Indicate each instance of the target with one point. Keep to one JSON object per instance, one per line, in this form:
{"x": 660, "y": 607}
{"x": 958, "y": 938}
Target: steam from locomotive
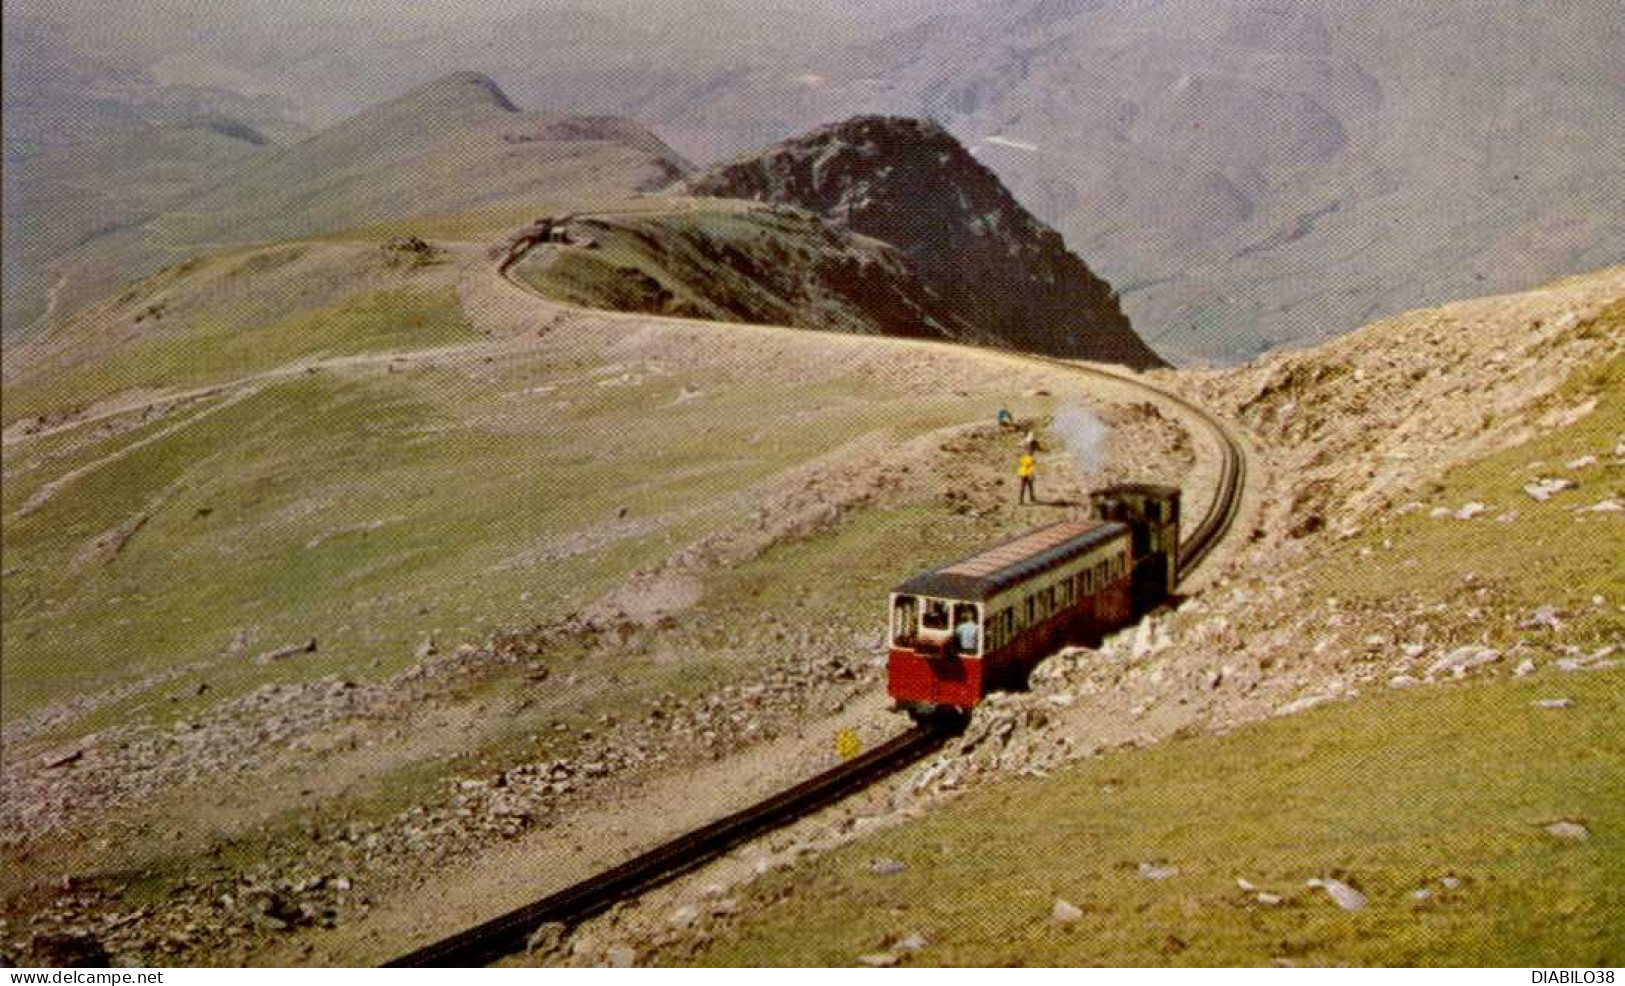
{"x": 1084, "y": 435}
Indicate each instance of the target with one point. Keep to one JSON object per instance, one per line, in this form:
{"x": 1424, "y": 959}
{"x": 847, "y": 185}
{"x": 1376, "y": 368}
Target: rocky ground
{"x": 1368, "y": 421}
{"x": 1203, "y": 669}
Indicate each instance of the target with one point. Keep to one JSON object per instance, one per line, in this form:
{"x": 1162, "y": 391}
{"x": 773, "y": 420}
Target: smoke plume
{"x": 1084, "y": 435}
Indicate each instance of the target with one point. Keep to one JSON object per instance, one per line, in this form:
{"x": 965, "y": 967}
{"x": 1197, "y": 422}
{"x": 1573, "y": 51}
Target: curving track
{"x": 1221, "y": 511}
{"x": 510, "y": 932}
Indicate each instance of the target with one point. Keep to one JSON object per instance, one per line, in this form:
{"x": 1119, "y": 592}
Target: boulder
{"x": 1343, "y": 895}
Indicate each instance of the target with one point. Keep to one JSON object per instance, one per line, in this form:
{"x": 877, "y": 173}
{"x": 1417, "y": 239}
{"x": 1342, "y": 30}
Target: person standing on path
{"x": 1025, "y": 469}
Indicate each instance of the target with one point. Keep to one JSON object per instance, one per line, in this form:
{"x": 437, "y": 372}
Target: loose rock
{"x": 1572, "y": 831}
{"x": 308, "y": 647}
{"x": 1544, "y": 488}
{"x": 1459, "y": 661}
{"x": 1343, "y": 895}
{"x": 546, "y": 938}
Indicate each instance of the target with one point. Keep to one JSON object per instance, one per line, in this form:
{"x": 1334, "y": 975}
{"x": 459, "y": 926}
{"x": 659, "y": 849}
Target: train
{"x": 981, "y": 624}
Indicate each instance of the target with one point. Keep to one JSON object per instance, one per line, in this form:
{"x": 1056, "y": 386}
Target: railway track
{"x": 510, "y": 933}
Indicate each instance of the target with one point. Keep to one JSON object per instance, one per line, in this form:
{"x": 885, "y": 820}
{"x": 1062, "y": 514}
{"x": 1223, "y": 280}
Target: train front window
{"x": 936, "y": 615}
{"x": 904, "y": 612}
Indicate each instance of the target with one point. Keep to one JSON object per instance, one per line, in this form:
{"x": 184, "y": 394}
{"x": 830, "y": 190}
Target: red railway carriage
{"x": 981, "y": 624}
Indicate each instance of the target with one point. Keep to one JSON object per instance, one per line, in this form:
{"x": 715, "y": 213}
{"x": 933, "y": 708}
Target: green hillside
{"x": 1447, "y": 793}
{"x": 731, "y": 262}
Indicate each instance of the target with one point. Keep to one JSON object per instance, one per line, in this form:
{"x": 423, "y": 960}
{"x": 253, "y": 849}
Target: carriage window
{"x": 1000, "y": 628}
{"x": 936, "y": 615}
{"x": 904, "y": 613}
{"x": 963, "y": 613}
{"x": 1031, "y": 610}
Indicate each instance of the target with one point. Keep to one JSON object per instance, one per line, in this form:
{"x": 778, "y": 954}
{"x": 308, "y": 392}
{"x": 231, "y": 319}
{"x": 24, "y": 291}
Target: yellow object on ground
{"x": 847, "y": 744}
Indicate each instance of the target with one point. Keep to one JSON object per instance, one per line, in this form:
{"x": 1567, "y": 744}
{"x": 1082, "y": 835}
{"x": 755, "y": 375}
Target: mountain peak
{"x": 466, "y": 88}
{"x": 910, "y": 183}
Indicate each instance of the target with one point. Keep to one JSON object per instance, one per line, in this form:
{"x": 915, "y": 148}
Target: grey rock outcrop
{"x": 909, "y": 183}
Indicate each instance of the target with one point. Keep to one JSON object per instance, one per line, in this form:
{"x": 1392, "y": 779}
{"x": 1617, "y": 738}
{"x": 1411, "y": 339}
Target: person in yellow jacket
{"x": 1025, "y": 469}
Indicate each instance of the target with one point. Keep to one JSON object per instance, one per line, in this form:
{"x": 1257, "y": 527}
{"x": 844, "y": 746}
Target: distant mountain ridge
{"x": 449, "y": 146}
{"x": 1248, "y": 175}
{"x": 909, "y": 183}
{"x": 454, "y": 146}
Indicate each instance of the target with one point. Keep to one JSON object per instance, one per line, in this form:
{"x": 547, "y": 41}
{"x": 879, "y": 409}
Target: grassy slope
{"x": 1389, "y": 792}
{"x": 213, "y": 350}
{"x": 736, "y": 264}
{"x": 1546, "y": 555}
{"x": 476, "y": 473}
{"x": 466, "y": 474}
{"x": 59, "y": 199}
{"x": 722, "y": 644}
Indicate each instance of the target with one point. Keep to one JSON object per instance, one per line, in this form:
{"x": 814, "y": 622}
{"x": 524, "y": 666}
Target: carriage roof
{"x": 989, "y": 572}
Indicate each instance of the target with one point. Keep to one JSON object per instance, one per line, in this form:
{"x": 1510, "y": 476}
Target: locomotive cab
{"x": 1152, "y": 515}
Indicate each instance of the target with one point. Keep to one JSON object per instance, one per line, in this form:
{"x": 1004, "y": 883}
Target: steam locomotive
{"x": 983, "y": 623}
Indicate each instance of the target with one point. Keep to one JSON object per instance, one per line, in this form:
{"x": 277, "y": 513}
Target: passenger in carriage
{"x": 966, "y": 634}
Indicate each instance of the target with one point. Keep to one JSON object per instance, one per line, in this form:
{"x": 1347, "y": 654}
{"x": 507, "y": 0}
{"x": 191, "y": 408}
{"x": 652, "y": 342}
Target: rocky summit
{"x": 911, "y": 184}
